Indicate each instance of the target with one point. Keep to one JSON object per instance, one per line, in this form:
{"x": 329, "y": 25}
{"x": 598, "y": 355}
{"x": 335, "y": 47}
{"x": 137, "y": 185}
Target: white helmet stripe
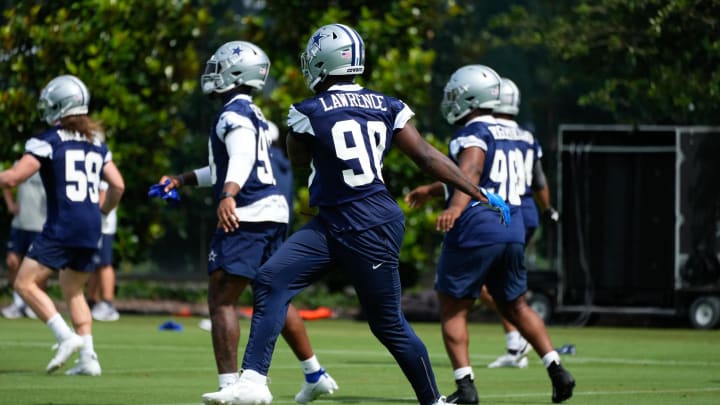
{"x": 357, "y": 44}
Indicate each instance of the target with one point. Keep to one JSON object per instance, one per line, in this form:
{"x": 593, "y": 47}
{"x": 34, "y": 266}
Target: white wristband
{"x": 203, "y": 176}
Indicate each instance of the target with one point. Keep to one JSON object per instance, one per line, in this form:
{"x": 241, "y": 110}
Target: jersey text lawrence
{"x": 338, "y": 100}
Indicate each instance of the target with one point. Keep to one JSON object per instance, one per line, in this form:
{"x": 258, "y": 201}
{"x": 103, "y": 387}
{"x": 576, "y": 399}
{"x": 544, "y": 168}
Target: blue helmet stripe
{"x": 357, "y": 44}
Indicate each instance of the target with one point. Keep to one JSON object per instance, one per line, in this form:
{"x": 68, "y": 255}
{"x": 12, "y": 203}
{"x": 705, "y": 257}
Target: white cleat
{"x": 242, "y": 392}
{"x": 510, "y": 360}
{"x": 65, "y": 349}
{"x": 205, "y": 324}
{"x": 311, "y": 391}
{"x": 12, "y": 311}
{"x": 441, "y": 401}
{"x": 86, "y": 365}
{"x": 104, "y": 311}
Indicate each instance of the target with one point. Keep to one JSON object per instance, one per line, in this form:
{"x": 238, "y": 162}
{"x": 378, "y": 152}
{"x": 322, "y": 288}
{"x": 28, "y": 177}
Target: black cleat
{"x": 562, "y": 382}
{"x": 466, "y": 392}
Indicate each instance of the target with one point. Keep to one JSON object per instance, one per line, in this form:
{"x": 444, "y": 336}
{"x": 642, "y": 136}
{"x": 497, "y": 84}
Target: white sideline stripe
{"x": 382, "y": 353}
{"x": 608, "y": 393}
{"x": 163, "y": 348}
{"x": 533, "y": 395}
{"x": 609, "y": 360}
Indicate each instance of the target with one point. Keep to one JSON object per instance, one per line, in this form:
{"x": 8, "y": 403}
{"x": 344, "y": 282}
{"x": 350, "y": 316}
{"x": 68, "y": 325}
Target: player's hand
{"x": 418, "y": 197}
{"x": 165, "y": 191}
{"x": 14, "y": 208}
{"x": 171, "y": 182}
{"x": 551, "y": 216}
{"x": 227, "y": 219}
{"x": 447, "y": 219}
{"x": 496, "y": 203}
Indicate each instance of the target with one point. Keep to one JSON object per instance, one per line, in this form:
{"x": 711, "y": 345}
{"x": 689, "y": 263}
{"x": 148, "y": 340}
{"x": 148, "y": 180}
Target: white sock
{"x": 550, "y": 358}
{"x": 59, "y": 327}
{"x": 17, "y": 300}
{"x": 310, "y": 365}
{"x": 227, "y": 379}
{"x": 254, "y": 376}
{"x": 88, "y": 347}
{"x": 461, "y": 372}
{"x": 513, "y": 340}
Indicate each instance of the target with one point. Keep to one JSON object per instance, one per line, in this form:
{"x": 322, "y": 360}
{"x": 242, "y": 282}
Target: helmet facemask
{"x": 235, "y": 64}
{"x": 450, "y": 105}
{"x": 469, "y": 88}
{"x": 64, "y": 95}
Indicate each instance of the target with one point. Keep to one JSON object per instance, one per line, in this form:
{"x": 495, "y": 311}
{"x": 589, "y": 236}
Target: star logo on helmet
{"x": 236, "y": 50}
{"x": 316, "y": 40}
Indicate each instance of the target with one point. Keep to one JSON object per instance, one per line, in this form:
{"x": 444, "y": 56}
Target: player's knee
{"x": 512, "y": 310}
{"x": 21, "y": 285}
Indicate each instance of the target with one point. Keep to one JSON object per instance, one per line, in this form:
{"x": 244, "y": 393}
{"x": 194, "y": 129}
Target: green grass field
{"x": 142, "y": 365}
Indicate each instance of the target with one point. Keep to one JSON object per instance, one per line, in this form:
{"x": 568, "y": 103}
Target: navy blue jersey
{"x": 241, "y": 112}
{"x": 284, "y": 177}
{"x": 503, "y": 174}
{"x": 71, "y": 169}
{"x": 349, "y": 129}
{"x": 531, "y": 153}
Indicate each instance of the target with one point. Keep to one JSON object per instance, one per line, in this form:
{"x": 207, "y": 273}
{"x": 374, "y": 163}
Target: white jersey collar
{"x": 345, "y": 87}
{"x": 507, "y": 122}
{"x": 240, "y": 97}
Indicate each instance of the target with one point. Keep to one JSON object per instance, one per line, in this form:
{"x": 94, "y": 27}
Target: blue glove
{"x": 496, "y": 203}
{"x": 158, "y": 190}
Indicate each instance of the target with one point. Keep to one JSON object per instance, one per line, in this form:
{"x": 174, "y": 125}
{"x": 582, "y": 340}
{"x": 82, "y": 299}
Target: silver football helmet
{"x": 62, "y": 96}
{"x": 509, "y": 98}
{"x": 234, "y": 64}
{"x": 469, "y": 88}
{"x": 333, "y": 50}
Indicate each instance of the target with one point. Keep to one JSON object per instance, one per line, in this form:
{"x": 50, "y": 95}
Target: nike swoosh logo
{"x": 375, "y": 266}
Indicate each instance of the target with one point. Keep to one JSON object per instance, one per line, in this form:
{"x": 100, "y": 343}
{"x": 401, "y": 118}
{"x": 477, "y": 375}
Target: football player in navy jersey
{"x": 343, "y": 133}
{"x": 72, "y": 160}
{"x": 476, "y": 249}
{"x": 535, "y": 191}
{"x": 252, "y": 213}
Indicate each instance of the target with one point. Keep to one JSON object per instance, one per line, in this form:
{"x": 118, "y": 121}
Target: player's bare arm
{"x": 21, "y": 171}
{"x": 116, "y": 187}
{"x": 10, "y": 202}
{"x": 471, "y": 161}
{"x": 428, "y": 158}
{"x": 227, "y": 219}
{"x": 178, "y": 180}
{"x": 420, "y": 195}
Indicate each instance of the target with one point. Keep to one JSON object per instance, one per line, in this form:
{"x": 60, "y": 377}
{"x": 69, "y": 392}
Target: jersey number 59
{"x": 82, "y": 175}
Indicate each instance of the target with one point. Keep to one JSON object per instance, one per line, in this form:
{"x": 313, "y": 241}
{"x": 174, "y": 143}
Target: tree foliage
{"x": 138, "y": 58}
{"x": 643, "y": 61}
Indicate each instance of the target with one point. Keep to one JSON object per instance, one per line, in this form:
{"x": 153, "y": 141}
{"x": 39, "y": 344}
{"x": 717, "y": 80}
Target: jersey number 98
{"x": 377, "y": 131}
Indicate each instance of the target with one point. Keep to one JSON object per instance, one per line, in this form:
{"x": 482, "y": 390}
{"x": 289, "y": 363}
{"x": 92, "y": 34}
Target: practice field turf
{"x": 142, "y": 365}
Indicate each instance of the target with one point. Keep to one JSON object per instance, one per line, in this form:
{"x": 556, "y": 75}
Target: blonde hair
{"x": 82, "y": 124}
